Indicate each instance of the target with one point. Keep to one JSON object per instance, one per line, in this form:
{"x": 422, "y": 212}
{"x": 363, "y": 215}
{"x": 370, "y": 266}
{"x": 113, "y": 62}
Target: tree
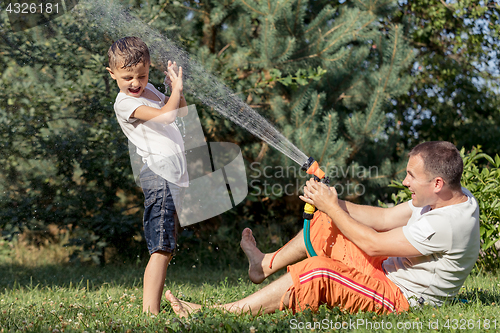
{"x": 323, "y": 74}
{"x": 63, "y": 159}
{"x": 455, "y": 96}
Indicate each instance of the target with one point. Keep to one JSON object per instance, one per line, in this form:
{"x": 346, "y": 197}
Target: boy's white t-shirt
{"x": 160, "y": 145}
{"x": 449, "y": 241}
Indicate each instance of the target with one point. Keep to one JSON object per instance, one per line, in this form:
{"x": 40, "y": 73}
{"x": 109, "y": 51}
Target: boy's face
{"x": 131, "y": 80}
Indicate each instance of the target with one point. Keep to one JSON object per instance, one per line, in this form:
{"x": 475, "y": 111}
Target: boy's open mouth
{"x": 135, "y": 90}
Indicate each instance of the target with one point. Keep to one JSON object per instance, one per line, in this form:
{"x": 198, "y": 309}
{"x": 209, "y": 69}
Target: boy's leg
{"x": 262, "y": 265}
{"x": 154, "y": 279}
{"x": 160, "y": 234}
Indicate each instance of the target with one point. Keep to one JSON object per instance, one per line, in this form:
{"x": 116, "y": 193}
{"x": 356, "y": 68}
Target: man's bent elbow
{"x": 372, "y": 249}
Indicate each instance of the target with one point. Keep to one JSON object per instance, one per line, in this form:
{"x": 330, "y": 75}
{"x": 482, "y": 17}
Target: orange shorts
{"x": 341, "y": 275}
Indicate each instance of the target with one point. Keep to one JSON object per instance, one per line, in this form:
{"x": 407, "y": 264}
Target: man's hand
{"x": 320, "y": 195}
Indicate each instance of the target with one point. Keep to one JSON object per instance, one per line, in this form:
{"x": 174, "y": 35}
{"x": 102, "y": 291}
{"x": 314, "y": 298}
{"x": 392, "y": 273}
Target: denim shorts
{"x": 159, "y": 210}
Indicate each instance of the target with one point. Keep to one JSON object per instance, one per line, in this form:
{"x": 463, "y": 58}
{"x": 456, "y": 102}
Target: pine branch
{"x": 334, "y": 153}
{"x": 303, "y": 58}
{"x": 158, "y": 14}
{"x": 327, "y": 138}
{"x": 223, "y": 49}
{"x": 194, "y": 9}
{"x": 297, "y": 11}
{"x": 331, "y": 59}
{"x": 290, "y": 43}
{"x": 277, "y": 6}
{"x": 310, "y": 118}
{"x": 396, "y": 35}
{"x": 253, "y": 9}
{"x": 371, "y": 111}
{"x": 320, "y": 19}
{"x": 391, "y": 68}
{"x": 288, "y": 27}
{"x": 337, "y": 40}
{"x": 262, "y": 153}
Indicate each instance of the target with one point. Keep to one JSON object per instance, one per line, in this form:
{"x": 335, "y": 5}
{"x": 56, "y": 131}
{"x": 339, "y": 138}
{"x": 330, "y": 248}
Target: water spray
{"x": 312, "y": 168}
{"x": 110, "y": 17}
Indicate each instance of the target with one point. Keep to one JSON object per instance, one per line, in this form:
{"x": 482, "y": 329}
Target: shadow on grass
{"x": 93, "y": 277}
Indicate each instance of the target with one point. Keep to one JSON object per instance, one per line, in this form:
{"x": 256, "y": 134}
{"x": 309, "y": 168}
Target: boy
{"x": 147, "y": 118}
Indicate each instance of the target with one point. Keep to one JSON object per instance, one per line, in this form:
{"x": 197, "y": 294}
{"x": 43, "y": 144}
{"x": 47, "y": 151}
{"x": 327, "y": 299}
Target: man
{"x": 371, "y": 258}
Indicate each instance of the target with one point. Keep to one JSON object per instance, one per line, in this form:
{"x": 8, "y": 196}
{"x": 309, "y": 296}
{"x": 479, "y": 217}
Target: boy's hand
{"x": 167, "y": 80}
{"x": 174, "y": 77}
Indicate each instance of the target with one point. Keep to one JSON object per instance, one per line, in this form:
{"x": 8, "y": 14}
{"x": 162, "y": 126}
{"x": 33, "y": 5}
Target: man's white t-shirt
{"x": 160, "y": 145}
{"x": 449, "y": 241}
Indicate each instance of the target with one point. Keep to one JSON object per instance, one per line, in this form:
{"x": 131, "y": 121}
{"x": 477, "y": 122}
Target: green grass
{"x": 44, "y": 297}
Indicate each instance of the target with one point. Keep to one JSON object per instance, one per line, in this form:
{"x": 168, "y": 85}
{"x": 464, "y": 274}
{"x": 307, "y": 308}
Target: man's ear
{"x": 111, "y": 73}
{"x": 438, "y": 184}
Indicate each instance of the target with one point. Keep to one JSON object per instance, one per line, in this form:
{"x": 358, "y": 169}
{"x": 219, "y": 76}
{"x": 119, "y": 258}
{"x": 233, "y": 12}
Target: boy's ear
{"x": 111, "y": 73}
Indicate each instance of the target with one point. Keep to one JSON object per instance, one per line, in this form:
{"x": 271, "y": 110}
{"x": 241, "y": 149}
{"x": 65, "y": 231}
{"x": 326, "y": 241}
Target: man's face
{"x": 131, "y": 80}
{"x": 419, "y": 182}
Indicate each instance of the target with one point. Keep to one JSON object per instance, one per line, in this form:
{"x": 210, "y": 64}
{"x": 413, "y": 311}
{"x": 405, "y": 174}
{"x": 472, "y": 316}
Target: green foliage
{"x": 455, "y": 95}
{"x": 63, "y": 158}
{"x": 323, "y": 73}
{"x": 484, "y": 183}
{"x": 482, "y": 178}
{"x": 301, "y": 78}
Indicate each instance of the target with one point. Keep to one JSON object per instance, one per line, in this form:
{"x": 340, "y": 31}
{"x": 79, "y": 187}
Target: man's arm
{"x": 374, "y": 243}
{"x": 392, "y": 243}
{"x": 378, "y": 218}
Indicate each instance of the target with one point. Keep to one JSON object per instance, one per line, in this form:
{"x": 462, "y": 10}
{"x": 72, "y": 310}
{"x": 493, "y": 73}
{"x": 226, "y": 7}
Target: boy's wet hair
{"x": 128, "y": 52}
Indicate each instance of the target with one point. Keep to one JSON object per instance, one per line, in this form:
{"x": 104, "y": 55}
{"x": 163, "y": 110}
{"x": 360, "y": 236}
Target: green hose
{"x": 307, "y": 238}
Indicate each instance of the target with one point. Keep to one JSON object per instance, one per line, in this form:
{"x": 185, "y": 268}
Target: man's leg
{"x": 154, "y": 279}
{"x": 259, "y": 263}
{"x": 266, "y": 300}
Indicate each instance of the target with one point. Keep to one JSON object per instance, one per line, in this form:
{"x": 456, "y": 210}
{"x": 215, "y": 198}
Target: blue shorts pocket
{"x": 151, "y": 185}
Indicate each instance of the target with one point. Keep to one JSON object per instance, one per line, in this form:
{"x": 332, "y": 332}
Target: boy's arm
{"x": 183, "y": 109}
{"x": 169, "y": 111}
{"x": 166, "y": 114}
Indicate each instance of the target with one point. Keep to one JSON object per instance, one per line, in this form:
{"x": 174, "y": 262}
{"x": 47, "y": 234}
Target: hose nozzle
{"x": 312, "y": 168}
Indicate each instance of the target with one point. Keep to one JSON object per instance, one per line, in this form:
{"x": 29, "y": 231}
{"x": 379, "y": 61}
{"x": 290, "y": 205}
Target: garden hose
{"x": 312, "y": 168}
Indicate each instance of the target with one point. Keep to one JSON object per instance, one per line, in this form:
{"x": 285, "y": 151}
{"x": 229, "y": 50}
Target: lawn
{"x": 45, "y": 295}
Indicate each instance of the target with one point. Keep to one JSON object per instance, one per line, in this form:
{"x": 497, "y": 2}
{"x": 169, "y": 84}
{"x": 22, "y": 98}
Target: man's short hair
{"x": 441, "y": 159}
{"x": 128, "y": 52}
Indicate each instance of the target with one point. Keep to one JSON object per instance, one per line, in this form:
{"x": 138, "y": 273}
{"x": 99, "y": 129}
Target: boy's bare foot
{"x": 181, "y": 308}
{"x": 254, "y": 255}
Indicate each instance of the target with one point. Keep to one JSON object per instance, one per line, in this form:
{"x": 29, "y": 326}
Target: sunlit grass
{"x": 59, "y": 297}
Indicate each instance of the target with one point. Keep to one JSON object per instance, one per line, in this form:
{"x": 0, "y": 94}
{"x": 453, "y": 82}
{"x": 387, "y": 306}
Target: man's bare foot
{"x": 181, "y": 308}
{"x": 254, "y": 255}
